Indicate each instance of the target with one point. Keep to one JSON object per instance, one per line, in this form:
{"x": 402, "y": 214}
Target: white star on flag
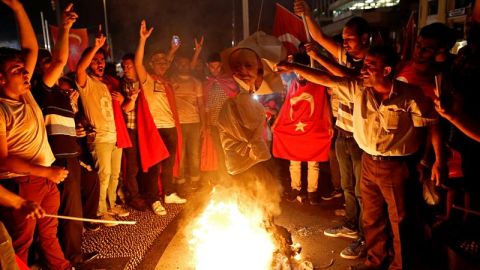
{"x": 300, "y": 126}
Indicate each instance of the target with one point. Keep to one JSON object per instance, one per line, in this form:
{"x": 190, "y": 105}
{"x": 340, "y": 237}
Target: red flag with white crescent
{"x": 77, "y": 41}
{"x": 288, "y": 28}
{"x": 301, "y": 132}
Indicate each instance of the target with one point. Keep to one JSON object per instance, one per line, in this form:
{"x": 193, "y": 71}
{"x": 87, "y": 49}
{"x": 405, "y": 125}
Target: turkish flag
{"x": 77, "y": 41}
{"x": 150, "y": 144}
{"x": 288, "y": 28}
{"x": 301, "y": 132}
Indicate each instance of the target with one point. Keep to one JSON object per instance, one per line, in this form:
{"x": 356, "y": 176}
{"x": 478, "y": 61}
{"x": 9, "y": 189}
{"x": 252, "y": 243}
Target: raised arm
{"x": 310, "y": 74}
{"x": 332, "y": 66}
{"x": 301, "y": 8}
{"x": 198, "y": 50}
{"x": 28, "y": 40}
{"x": 173, "y": 50}
{"x": 140, "y": 52}
{"x": 87, "y": 59}
{"x": 60, "y": 52}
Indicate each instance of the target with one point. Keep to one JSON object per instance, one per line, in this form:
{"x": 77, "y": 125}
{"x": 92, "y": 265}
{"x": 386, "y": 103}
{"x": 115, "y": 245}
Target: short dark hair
{"x": 67, "y": 80}
{"x": 388, "y": 55}
{"x": 360, "y": 24}
{"x": 128, "y": 56}
{"x": 441, "y": 33}
{"x": 101, "y": 50}
{"x": 214, "y": 57}
{"x": 7, "y": 55}
{"x": 42, "y": 55}
{"x": 158, "y": 52}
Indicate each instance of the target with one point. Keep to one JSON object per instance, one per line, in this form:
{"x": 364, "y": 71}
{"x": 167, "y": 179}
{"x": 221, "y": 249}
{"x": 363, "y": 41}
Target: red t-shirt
{"x": 426, "y": 81}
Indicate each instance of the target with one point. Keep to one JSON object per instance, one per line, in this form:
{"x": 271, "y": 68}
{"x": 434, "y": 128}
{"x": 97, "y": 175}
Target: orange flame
{"x": 229, "y": 236}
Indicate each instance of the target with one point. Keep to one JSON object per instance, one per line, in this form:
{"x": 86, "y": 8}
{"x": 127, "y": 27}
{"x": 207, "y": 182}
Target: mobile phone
{"x": 176, "y": 40}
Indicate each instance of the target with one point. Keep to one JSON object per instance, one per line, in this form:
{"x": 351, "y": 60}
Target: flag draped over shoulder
{"x": 77, "y": 43}
{"x": 173, "y": 107}
{"x": 288, "y": 28}
{"x": 150, "y": 144}
{"x": 301, "y": 132}
{"x": 123, "y": 139}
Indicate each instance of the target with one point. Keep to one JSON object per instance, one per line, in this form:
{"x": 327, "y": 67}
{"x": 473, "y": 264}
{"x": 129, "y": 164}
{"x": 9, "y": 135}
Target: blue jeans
{"x": 349, "y": 157}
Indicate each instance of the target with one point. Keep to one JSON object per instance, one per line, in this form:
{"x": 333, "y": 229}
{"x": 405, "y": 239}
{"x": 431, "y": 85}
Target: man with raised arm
{"x": 350, "y": 56}
{"x": 101, "y": 99}
{"x": 388, "y": 121}
{"x": 59, "y": 108}
{"x": 161, "y": 101}
{"x": 25, "y": 154}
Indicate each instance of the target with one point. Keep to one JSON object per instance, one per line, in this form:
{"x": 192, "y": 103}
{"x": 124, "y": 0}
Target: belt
{"x": 344, "y": 133}
{"x": 387, "y": 158}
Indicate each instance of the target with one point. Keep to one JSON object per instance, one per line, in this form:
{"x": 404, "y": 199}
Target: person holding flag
{"x": 350, "y": 55}
{"x": 303, "y": 118}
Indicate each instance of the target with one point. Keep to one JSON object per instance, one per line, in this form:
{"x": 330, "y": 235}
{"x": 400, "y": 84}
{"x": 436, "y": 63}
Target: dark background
{"x": 185, "y": 18}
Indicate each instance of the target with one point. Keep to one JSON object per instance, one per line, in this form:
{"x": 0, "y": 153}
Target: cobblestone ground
{"x": 129, "y": 241}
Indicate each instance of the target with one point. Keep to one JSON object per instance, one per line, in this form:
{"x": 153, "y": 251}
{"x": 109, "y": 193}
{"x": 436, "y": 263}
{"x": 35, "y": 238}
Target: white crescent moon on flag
{"x": 304, "y": 96}
{"x": 77, "y": 37}
{"x": 287, "y": 37}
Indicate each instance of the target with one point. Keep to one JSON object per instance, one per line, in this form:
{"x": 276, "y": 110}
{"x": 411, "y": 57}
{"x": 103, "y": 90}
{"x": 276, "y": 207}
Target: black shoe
{"x": 293, "y": 195}
{"x": 313, "y": 198}
{"x": 334, "y": 194}
{"x": 355, "y": 250}
{"x": 93, "y": 227}
{"x": 138, "y": 204}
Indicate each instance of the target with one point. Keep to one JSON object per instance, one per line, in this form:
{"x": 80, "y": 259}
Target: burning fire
{"x": 227, "y": 235}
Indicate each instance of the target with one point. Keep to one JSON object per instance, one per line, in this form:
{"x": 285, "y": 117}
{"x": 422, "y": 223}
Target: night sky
{"x": 185, "y": 18}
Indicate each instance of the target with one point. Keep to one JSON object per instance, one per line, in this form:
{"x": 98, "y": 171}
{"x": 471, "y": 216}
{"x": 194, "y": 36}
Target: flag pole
{"x": 107, "y": 31}
{"x": 246, "y": 20}
{"x": 119, "y": 222}
{"x": 309, "y": 39}
{"x": 43, "y": 31}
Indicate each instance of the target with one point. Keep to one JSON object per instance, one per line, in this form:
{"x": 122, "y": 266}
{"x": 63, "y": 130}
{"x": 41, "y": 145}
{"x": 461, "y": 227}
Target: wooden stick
{"x": 307, "y": 33}
{"x": 466, "y": 210}
{"x": 121, "y": 222}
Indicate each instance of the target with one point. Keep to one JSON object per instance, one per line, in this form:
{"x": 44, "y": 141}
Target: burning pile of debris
{"x": 236, "y": 232}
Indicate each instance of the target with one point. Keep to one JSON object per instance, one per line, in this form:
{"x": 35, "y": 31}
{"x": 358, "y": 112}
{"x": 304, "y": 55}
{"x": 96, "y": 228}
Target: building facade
{"x": 453, "y": 13}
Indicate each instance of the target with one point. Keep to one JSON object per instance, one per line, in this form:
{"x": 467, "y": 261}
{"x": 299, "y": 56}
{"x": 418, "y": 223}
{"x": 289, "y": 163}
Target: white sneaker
{"x": 158, "y": 209}
{"x": 174, "y": 198}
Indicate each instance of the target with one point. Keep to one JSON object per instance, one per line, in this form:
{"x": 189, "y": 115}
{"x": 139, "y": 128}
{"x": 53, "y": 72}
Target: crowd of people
{"x": 393, "y": 126}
